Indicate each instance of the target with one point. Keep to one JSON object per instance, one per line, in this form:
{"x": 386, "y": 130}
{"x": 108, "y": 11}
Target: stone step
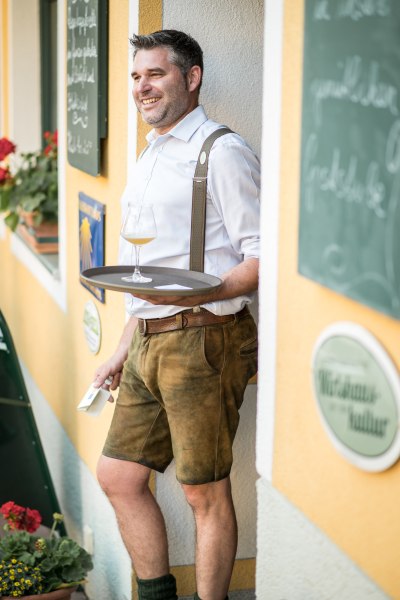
{"x": 238, "y": 595}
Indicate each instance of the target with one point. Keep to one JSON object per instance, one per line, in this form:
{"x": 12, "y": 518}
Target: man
{"x": 183, "y": 362}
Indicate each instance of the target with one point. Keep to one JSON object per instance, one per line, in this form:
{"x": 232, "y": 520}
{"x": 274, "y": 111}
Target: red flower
{"x": 32, "y": 519}
{"x": 18, "y": 517}
{"x": 4, "y": 174}
{"x": 9, "y": 509}
{"x": 51, "y": 138}
{"x": 6, "y": 148}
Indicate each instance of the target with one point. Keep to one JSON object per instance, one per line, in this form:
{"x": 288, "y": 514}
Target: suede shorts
{"x": 179, "y": 397}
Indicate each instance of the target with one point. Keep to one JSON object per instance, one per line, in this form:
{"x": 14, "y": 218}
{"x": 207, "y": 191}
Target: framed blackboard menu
{"x": 87, "y": 60}
{"x": 349, "y": 235}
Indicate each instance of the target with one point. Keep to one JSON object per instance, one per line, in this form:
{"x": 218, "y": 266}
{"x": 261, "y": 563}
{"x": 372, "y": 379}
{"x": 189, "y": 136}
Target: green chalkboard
{"x": 87, "y": 60}
{"x": 25, "y": 477}
{"x": 349, "y": 233}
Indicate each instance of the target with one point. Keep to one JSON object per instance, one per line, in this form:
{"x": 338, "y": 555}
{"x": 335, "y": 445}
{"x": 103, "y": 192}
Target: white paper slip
{"x": 94, "y": 401}
{"x": 172, "y": 286}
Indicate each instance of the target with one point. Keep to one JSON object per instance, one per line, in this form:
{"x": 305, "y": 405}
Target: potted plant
{"x": 35, "y": 567}
{"x": 29, "y": 189}
{"x": 6, "y": 179}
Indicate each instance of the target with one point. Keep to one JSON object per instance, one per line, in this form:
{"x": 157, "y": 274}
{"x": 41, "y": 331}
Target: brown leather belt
{"x": 186, "y": 318}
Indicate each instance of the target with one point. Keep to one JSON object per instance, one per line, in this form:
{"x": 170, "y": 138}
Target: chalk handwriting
{"x": 359, "y": 9}
{"x": 78, "y": 145}
{"x": 321, "y": 11}
{"x": 342, "y": 180}
{"x": 327, "y": 10}
{"x": 392, "y": 156}
{"x": 89, "y": 50}
{"x": 81, "y": 22}
{"x": 359, "y": 84}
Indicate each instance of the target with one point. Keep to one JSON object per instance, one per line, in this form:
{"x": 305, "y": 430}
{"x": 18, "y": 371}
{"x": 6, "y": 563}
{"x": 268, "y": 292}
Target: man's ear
{"x": 194, "y": 78}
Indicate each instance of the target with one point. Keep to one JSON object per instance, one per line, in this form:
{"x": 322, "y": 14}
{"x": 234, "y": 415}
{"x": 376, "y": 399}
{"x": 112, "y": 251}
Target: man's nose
{"x": 143, "y": 85}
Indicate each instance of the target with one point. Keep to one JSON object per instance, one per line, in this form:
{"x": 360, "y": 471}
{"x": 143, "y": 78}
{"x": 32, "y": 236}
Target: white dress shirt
{"x": 163, "y": 177}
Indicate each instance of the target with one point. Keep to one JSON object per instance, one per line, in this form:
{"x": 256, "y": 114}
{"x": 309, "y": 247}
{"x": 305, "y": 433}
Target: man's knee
{"x": 105, "y": 475}
{"x": 208, "y": 495}
{"x": 121, "y": 477}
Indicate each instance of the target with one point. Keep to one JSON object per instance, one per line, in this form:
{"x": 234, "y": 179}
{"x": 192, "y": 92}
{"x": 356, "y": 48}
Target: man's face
{"x": 161, "y": 93}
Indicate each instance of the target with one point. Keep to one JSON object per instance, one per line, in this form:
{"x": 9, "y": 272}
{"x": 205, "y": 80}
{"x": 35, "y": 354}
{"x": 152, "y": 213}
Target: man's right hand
{"x": 108, "y": 375}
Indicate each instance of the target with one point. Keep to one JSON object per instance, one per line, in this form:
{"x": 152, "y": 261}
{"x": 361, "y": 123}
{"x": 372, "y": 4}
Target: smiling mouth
{"x": 147, "y": 101}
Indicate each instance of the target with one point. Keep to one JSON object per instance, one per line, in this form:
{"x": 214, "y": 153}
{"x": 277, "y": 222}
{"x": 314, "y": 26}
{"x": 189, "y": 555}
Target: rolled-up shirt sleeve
{"x": 234, "y": 188}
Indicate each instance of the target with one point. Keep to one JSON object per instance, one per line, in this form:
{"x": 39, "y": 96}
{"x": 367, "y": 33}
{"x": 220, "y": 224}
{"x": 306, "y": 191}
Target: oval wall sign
{"x": 357, "y": 389}
{"x": 92, "y": 326}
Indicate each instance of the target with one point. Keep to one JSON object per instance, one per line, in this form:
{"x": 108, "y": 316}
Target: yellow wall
{"x": 150, "y": 19}
{"x": 357, "y": 510}
{"x": 50, "y": 342}
{"x": 4, "y": 67}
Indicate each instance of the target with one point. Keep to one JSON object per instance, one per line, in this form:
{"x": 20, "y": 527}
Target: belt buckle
{"x": 144, "y": 326}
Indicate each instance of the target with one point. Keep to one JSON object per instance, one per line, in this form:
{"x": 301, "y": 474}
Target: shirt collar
{"x": 185, "y": 128}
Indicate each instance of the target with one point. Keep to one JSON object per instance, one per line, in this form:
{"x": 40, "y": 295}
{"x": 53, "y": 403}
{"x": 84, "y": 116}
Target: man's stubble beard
{"x": 171, "y": 113}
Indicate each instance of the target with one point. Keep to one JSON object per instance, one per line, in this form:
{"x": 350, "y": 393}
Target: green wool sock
{"x": 160, "y": 588}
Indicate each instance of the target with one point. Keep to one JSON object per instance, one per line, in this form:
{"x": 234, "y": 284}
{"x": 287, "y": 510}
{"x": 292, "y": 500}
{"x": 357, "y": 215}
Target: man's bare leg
{"x": 139, "y": 517}
{"x": 216, "y": 536}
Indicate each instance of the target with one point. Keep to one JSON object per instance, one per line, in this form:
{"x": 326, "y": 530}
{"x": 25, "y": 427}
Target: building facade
{"x": 312, "y": 524}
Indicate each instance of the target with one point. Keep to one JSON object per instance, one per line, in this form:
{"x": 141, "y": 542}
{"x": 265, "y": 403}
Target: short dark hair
{"x": 185, "y": 52}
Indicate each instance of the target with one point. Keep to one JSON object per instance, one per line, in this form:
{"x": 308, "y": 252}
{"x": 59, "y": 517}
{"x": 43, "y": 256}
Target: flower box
{"x": 43, "y": 239}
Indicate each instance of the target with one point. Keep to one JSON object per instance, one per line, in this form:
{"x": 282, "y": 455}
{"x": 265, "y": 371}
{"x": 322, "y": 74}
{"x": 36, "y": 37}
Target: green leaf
{"x": 12, "y": 220}
{"x": 5, "y": 193}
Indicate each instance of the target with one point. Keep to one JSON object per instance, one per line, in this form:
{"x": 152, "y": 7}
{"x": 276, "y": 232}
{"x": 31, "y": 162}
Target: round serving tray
{"x": 192, "y": 282}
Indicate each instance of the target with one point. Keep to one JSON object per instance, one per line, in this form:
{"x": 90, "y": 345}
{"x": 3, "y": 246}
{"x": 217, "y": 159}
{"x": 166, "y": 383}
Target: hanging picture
{"x": 91, "y": 239}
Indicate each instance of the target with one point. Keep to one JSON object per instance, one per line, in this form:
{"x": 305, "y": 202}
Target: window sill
{"x": 3, "y": 228}
{"x": 45, "y": 268}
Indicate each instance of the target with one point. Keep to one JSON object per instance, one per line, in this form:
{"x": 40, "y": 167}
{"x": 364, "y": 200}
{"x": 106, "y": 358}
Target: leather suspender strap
{"x": 199, "y": 197}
